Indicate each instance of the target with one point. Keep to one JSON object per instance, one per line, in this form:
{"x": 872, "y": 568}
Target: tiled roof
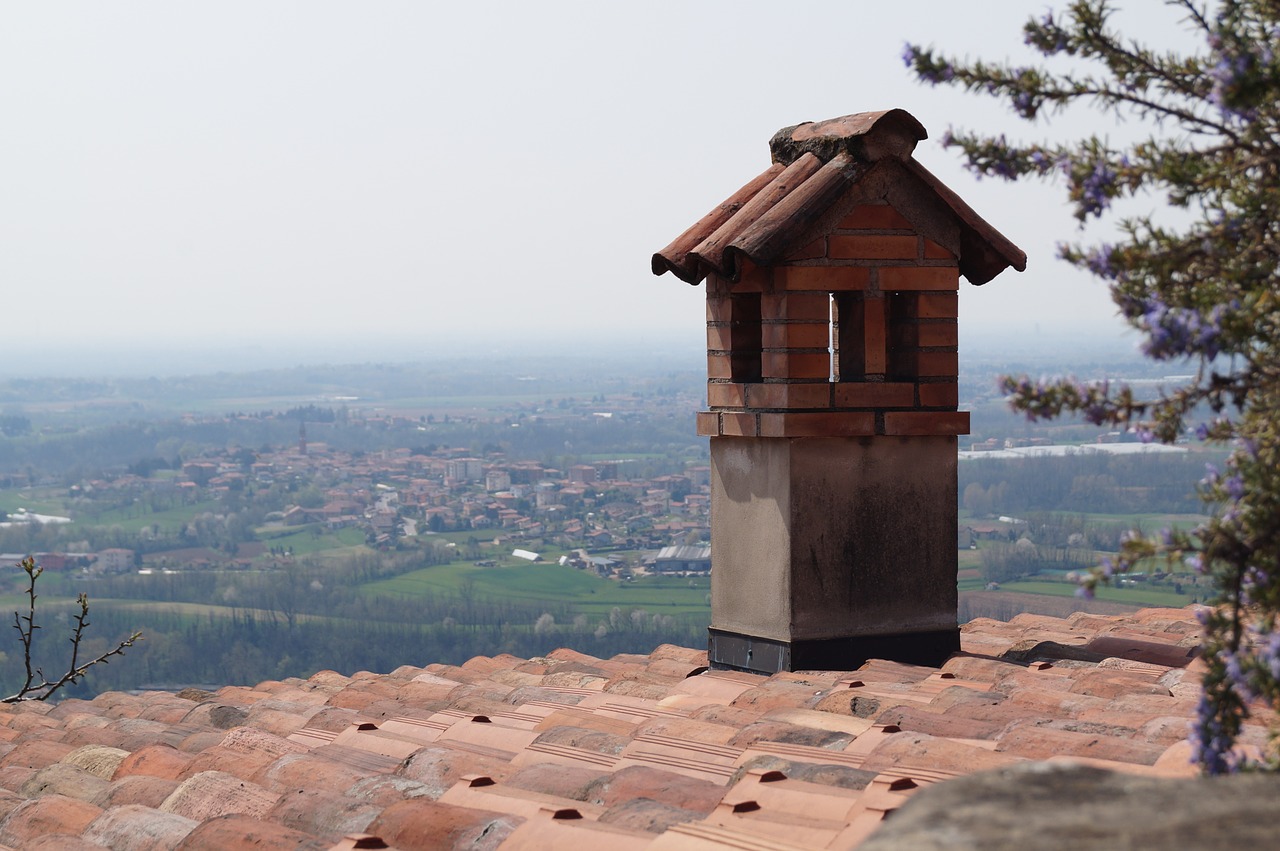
{"x": 570, "y": 751}
{"x": 815, "y": 165}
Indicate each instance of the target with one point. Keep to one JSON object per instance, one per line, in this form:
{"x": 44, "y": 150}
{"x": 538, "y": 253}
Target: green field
{"x": 305, "y": 541}
{"x": 1138, "y": 595}
{"x": 553, "y": 583}
{"x": 44, "y": 501}
{"x": 137, "y": 517}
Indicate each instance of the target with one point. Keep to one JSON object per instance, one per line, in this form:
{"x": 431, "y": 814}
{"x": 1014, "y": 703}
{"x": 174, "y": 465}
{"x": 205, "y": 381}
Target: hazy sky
{"x": 253, "y": 173}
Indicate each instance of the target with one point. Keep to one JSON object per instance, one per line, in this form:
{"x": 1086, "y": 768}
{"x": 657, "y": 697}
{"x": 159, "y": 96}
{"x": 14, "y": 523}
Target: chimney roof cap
{"x": 814, "y": 165}
{"x": 866, "y": 136}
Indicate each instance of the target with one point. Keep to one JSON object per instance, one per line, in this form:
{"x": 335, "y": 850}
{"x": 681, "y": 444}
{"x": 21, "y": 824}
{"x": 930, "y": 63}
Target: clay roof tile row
{"x": 815, "y": 165}
{"x": 651, "y": 752}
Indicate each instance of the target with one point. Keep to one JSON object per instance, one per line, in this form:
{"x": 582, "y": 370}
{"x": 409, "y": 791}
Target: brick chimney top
{"x": 866, "y": 136}
{"x": 819, "y": 171}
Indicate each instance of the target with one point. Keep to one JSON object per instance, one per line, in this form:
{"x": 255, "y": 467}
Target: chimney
{"x": 832, "y": 284}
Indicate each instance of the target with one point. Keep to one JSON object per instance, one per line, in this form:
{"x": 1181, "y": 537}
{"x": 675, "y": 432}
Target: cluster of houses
{"x": 398, "y": 493}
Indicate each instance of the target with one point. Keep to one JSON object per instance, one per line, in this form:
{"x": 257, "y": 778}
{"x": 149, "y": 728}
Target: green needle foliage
{"x": 1204, "y": 291}
{"x": 37, "y": 686}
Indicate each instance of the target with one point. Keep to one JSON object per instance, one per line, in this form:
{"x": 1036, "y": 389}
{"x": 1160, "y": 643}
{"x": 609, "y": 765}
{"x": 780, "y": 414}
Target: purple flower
{"x": 1234, "y": 486}
{"x": 1210, "y": 745}
{"x": 1099, "y": 263}
{"x": 1269, "y": 654}
{"x": 1096, "y": 189}
{"x": 1177, "y": 332}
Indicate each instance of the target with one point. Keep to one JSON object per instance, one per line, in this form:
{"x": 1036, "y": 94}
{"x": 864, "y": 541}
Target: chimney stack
{"x": 832, "y": 286}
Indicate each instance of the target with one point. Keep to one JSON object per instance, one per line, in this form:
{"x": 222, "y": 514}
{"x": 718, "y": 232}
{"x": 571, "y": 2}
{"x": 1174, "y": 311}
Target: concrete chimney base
{"x": 827, "y": 551}
{"x": 736, "y": 652}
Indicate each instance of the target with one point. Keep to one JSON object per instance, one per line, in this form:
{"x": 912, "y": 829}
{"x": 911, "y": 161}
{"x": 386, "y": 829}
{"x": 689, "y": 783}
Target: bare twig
{"x": 36, "y": 686}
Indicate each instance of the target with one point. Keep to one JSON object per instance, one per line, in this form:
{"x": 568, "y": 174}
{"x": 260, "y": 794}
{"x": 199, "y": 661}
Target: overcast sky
{"x": 245, "y": 173}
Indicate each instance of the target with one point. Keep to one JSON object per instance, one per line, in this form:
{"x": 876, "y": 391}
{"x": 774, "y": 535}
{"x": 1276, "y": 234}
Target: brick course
{"x": 859, "y": 394}
{"x": 877, "y": 217}
{"x": 873, "y": 247}
{"x": 943, "y": 395}
{"x": 823, "y": 278}
{"x": 802, "y": 306}
{"x": 919, "y": 278}
{"x": 909, "y": 423}
{"x": 835, "y": 424}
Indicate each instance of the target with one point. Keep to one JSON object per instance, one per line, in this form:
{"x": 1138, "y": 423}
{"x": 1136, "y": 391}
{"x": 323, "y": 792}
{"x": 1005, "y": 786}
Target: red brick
{"x": 795, "y": 335}
{"x": 789, "y": 395}
{"x": 738, "y": 424}
{"x": 858, "y": 247}
{"x": 796, "y": 364}
{"x": 896, "y": 278}
{"x": 719, "y": 338}
{"x": 860, "y": 394}
{"x": 812, "y": 251}
{"x": 726, "y": 395}
{"x": 933, "y": 364}
{"x": 843, "y": 424}
{"x": 878, "y": 217}
{"x": 938, "y": 305}
{"x": 708, "y": 424}
{"x": 945, "y": 395}
{"x": 767, "y": 396}
{"x": 753, "y": 280}
{"x": 719, "y": 366}
{"x": 926, "y": 422}
{"x": 937, "y": 334}
{"x": 809, "y": 395}
{"x": 716, "y": 285}
{"x": 933, "y": 251}
{"x": 825, "y": 278}
{"x": 807, "y": 306}
{"x": 874, "y": 333}
{"x": 719, "y": 309}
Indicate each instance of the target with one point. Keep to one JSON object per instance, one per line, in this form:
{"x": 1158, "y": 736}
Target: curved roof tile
{"x": 815, "y": 163}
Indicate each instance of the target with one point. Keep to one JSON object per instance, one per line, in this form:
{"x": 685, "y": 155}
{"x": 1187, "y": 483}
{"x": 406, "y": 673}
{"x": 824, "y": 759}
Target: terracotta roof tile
{"x": 320, "y": 812}
{"x": 430, "y": 825}
{"x": 235, "y": 832}
{"x": 59, "y": 842}
{"x": 481, "y": 792}
{"x": 785, "y": 733}
{"x": 561, "y": 781}
{"x": 215, "y": 793}
{"x": 164, "y": 761}
{"x": 296, "y": 772}
{"x": 438, "y": 767}
{"x": 135, "y": 827}
{"x": 1042, "y": 741}
{"x": 136, "y": 789}
{"x": 815, "y": 166}
{"x": 12, "y": 777}
{"x": 45, "y": 815}
{"x": 97, "y": 760}
{"x": 571, "y": 759}
{"x": 63, "y": 779}
{"x": 36, "y": 753}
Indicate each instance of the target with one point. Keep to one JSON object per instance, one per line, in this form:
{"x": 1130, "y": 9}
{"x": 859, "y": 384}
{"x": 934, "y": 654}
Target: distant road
{"x": 1059, "y": 450}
